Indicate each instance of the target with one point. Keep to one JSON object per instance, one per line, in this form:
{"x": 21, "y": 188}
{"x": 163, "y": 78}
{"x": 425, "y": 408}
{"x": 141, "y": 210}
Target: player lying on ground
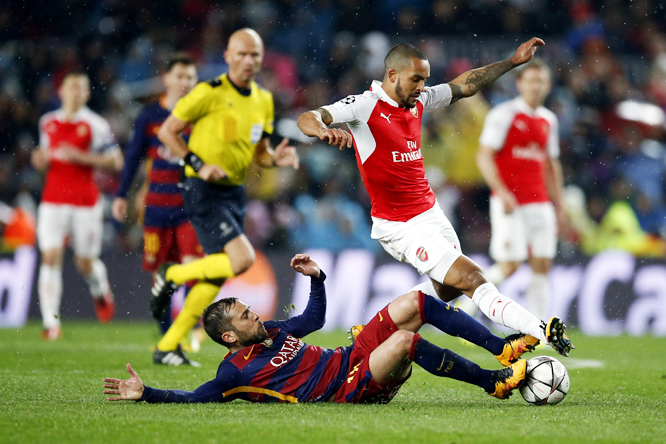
{"x": 269, "y": 362}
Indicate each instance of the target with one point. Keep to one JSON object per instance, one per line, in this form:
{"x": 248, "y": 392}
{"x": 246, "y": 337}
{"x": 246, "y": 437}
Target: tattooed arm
{"x": 469, "y": 83}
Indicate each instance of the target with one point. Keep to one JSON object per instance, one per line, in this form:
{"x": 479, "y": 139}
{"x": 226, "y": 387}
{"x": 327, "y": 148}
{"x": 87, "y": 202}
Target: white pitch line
{"x": 583, "y": 363}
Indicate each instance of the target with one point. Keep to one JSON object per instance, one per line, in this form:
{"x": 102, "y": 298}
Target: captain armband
{"x": 192, "y": 160}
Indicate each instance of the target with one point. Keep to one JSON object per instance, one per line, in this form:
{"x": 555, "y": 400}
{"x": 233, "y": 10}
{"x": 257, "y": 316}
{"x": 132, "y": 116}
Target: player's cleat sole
{"x": 51, "y": 334}
{"x": 515, "y": 346}
{"x": 354, "y": 332}
{"x": 509, "y": 379}
{"x": 105, "y": 308}
{"x": 557, "y": 337}
{"x": 174, "y": 357}
{"x": 162, "y": 290}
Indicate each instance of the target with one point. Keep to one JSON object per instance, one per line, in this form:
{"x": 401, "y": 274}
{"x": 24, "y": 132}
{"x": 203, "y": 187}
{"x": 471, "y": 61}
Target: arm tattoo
{"x": 482, "y": 77}
{"x": 325, "y": 115}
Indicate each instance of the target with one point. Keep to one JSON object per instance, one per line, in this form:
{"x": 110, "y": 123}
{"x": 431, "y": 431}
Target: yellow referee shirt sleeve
{"x": 195, "y": 104}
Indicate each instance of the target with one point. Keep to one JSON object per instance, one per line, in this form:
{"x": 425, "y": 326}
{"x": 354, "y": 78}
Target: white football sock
{"x": 426, "y": 288}
{"x": 495, "y": 275}
{"x": 49, "y": 288}
{"x": 505, "y": 311}
{"x": 98, "y": 281}
{"x": 538, "y": 294}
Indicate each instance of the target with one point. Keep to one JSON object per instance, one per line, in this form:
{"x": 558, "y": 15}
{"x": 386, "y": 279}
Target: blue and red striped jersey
{"x": 164, "y": 201}
{"x": 283, "y": 369}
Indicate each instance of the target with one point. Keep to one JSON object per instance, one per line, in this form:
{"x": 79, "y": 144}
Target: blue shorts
{"x": 217, "y": 212}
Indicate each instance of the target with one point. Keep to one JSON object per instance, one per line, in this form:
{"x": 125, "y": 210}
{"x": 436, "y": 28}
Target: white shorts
{"x": 530, "y": 231}
{"x": 82, "y": 225}
{"x": 424, "y": 241}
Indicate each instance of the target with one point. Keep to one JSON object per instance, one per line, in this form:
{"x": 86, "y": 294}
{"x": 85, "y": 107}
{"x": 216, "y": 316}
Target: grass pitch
{"x": 52, "y": 393}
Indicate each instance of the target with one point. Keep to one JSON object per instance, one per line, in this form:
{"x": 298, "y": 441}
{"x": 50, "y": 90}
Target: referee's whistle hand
{"x": 211, "y": 173}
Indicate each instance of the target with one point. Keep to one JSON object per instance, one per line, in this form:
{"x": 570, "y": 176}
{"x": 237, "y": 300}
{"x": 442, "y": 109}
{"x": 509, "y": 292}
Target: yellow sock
{"x": 199, "y": 297}
{"x": 213, "y": 266}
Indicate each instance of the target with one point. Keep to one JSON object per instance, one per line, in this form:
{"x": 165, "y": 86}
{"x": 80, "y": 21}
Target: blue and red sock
{"x": 456, "y": 322}
{"x": 442, "y": 362}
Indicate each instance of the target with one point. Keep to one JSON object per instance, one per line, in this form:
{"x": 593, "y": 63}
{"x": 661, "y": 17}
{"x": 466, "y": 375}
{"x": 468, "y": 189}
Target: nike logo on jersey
{"x": 385, "y": 116}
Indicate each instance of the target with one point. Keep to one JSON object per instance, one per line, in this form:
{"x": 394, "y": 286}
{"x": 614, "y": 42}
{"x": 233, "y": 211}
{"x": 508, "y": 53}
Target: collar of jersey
{"x": 525, "y": 108}
{"x": 376, "y": 87}
{"x": 77, "y": 115}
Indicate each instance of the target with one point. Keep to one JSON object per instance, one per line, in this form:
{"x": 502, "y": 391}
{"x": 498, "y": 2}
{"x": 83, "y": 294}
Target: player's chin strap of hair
{"x": 192, "y": 160}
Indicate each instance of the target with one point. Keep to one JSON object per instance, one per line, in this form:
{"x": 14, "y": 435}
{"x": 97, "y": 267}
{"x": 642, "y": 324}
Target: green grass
{"x": 52, "y": 393}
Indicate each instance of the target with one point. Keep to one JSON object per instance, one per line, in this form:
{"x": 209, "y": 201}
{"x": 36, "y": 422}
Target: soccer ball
{"x": 546, "y": 381}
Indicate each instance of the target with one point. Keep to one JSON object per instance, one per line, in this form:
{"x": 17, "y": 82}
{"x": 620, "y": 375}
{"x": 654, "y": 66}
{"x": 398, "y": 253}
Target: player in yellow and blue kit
{"x": 231, "y": 119}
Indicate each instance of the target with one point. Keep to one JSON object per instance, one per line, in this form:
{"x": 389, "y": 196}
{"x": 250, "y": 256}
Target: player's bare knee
{"x": 401, "y": 341}
{"x": 84, "y": 265}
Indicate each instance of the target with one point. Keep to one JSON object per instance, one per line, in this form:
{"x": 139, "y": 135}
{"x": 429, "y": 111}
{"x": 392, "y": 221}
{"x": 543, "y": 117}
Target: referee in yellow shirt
{"x": 231, "y": 119}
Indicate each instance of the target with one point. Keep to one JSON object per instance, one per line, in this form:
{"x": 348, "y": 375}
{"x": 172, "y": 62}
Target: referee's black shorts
{"x": 217, "y": 212}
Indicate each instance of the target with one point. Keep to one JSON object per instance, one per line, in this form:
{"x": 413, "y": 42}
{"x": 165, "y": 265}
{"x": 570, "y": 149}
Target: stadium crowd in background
{"x": 608, "y": 60}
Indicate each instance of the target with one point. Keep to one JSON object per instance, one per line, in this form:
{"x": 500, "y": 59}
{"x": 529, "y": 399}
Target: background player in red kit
{"x": 73, "y": 142}
{"x": 518, "y": 157}
{"x": 268, "y": 362}
{"x": 167, "y": 234}
{"x": 385, "y": 125}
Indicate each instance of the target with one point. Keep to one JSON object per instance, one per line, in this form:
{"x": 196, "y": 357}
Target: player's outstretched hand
{"x": 526, "y": 51}
{"x": 40, "y": 159}
{"x": 304, "y": 265}
{"x": 211, "y": 173}
{"x": 336, "y": 137}
{"x": 127, "y": 389}
{"x": 286, "y": 155}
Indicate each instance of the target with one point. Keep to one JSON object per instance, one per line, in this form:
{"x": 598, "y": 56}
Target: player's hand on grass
{"x": 119, "y": 209}
{"x": 127, "y": 389}
{"x": 211, "y": 173}
{"x": 526, "y": 51}
{"x": 336, "y": 137}
{"x": 304, "y": 265}
{"x": 286, "y": 155}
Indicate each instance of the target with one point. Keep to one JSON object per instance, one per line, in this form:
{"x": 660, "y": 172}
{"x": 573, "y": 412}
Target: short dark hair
{"x": 535, "y": 63}
{"x": 400, "y": 54}
{"x": 217, "y": 319}
{"x": 178, "y": 58}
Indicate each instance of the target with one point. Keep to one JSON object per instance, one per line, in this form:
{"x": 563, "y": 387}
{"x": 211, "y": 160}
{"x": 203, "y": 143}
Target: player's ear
{"x": 392, "y": 75}
{"x": 229, "y": 337}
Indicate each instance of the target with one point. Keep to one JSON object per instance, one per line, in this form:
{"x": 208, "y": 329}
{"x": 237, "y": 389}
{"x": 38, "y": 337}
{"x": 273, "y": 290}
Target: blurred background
{"x": 609, "y": 64}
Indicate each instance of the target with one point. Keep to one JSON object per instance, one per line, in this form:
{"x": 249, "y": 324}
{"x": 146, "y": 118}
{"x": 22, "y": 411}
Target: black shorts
{"x": 217, "y": 212}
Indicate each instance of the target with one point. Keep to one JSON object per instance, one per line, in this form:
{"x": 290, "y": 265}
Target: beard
{"x": 250, "y": 338}
{"x": 404, "y": 99}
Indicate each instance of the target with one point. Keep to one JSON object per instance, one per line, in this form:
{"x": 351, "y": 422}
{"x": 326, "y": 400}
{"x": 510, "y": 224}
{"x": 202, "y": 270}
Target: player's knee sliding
{"x": 403, "y": 342}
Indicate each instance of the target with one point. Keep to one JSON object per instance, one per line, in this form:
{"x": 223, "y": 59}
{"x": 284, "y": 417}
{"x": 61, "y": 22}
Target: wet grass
{"x": 52, "y": 392}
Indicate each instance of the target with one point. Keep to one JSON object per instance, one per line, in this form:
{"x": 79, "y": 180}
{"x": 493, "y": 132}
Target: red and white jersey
{"x": 524, "y": 138}
{"x": 387, "y": 139}
{"x": 69, "y": 183}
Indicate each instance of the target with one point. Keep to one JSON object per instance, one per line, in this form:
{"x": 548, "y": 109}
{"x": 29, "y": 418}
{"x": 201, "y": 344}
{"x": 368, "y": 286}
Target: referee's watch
{"x": 192, "y": 160}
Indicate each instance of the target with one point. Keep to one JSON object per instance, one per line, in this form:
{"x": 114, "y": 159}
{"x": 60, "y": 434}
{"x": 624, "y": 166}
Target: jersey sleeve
{"x": 495, "y": 128}
{"x": 435, "y": 97}
{"x": 212, "y": 391}
{"x": 134, "y": 153}
{"x": 554, "y": 138}
{"x": 314, "y": 316}
{"x": 44, "y": 140}
{"x": 195, "y": 104}
{"x": 345, "y": 110}
{"x": 102, "y": 137}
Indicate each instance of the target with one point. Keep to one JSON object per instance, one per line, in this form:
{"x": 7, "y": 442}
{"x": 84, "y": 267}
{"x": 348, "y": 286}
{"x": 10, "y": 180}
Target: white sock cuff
{"x": 426, "y": 288}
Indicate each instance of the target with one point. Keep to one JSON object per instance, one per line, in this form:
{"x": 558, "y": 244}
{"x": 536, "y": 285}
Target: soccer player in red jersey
{"x": 518, "y": 157}
{"x": 73, "y": 142}
{"x": 385, "y": 126}
{"x": 167, "y": 234}
{"x": 268, "y": 361}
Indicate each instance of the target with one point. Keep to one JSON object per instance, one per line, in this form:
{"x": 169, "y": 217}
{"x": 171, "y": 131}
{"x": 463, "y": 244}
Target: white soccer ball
{"x": 546, "y": 381}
